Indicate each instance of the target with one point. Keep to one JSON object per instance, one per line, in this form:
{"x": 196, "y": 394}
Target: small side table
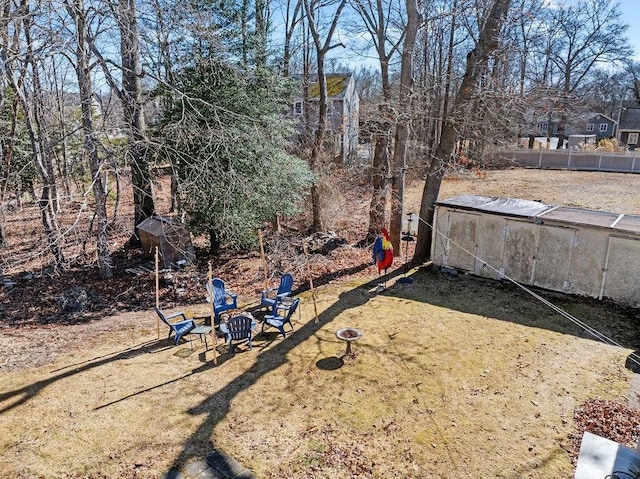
{"x": 202, "y": 331}
{"x": 284, "y": 303}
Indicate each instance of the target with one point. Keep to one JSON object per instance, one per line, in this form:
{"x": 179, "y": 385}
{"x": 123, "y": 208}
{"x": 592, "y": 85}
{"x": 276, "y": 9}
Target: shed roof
{"x": 535, "y": 209}
{"x": 157, "y": 225}
{"x": 506, "y": 206}
{"x": 578, "y": 215}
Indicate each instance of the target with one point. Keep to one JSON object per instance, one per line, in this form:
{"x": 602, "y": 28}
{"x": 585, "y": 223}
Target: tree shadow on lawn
{"x": 30, "y": 391}
{"x": 218, "y": 404}
{"x": 488, "y": 298}
{"x": 505, "y": 301}
{"x": 26, "y": 393}
{"x": 586, "y": 318}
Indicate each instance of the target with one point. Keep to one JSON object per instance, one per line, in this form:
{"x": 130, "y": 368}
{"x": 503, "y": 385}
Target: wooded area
{"x": 203, "y": 91}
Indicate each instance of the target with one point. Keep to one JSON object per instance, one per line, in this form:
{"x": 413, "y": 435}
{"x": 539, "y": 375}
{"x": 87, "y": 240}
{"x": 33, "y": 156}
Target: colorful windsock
{"x": 382, "y": 251}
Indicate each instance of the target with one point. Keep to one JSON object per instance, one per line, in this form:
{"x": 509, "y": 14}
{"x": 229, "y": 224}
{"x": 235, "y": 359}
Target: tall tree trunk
{"x": 380, "y": 175}
{"x": 91, "y": 143}
{"x": 375, "y": 16}
{"x": 6, "y": 153}
{"x": 449, "y": 76}
{"x": 63, "y": 170}
{"x": 262, "y": 30}
{"x": 317, "y": 149}
{"x": 132, "y": 103}
{"x": 292, "y": 19}
{"x": 39, "y": 139}
{"x": 477, "y": 60}
{"x": 399, "y": 161}
{"x": 244, "y": 33}
{"x": 7, "y": 142}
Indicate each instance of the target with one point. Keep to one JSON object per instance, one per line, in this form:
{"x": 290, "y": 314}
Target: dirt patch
{"x": 453, "y": 376}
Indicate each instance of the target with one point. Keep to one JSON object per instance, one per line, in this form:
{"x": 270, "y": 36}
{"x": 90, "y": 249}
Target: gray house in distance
{"x": 342, "y": 113}
{"x": 601, "y": 126}
{"x": 629, "y": 130}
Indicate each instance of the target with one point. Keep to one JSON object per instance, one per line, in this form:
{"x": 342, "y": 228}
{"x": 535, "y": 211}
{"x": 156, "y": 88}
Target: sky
{"x": 631, "y": 14}
{"x": 630, "y": 10}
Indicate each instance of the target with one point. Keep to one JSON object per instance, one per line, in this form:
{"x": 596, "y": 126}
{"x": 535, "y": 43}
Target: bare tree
{"x": 7, "y": 141}
{"x": 477, "y": 63}
{"x": 526, "y": 37}
{"x": 322, "y": 46}
{"x": 399, "y": 162}
{"x": 379, "y": 19}
{"x": 78, "y": 13}
{"x": 22, "y": 65}
{"x": 129, "y": 91}
{"x": 131, "y": 96}
{"x": 435, "y": 68}
{"x": 590, "y": 32}
{"x": 262, "y": 24}
{"x": 292, "y": 14}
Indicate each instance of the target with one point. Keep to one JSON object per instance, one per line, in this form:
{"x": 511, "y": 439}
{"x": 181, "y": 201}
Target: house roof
{"x": 598, "y": 116}
{"x": 337, "y": 84}
{"x": 630, "y": 118}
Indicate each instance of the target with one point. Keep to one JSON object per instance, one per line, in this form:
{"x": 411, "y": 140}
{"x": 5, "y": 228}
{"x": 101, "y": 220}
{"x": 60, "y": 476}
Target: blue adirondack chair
{"x": 238, "y": 328}
{"x": 179, "y": 328}
{"x": 277, "y": 320}
{"x": 222, "y": 299}
{"x": 270, "y": 296}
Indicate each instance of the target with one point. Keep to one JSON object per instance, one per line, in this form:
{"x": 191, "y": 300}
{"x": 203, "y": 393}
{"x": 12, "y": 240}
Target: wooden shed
{"x": 571, "y": 250}
{"x": 173, "y": 241}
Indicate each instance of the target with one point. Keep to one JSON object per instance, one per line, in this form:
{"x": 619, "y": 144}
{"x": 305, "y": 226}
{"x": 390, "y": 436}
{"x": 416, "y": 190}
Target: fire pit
{"x": 348, "y": 335}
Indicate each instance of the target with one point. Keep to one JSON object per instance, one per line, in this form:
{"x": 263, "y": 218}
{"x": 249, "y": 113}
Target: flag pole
{"x": 157, "y": 293}
{"x": 213, "y": 319}
{"x": 313, "y": 293}
{"x": 264, "y": 261}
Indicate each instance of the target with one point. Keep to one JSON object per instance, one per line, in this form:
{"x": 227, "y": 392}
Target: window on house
{"x": 297, "y": 108}
{"x": 633, "y": 139}
{"x": 543, "y": 126}
{"x": 590, "y": 126}
{"x": 603, "y": 126}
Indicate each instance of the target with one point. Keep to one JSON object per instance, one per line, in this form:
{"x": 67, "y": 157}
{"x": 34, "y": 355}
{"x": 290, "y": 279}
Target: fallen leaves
{"x": 609, "y": 419}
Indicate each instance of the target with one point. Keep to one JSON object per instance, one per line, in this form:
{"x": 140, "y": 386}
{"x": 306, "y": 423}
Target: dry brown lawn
{"x": 453, "y": 377}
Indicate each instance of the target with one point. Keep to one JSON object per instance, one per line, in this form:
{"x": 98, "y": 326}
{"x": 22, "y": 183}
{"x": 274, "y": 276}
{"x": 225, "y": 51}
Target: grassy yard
{"x": 453, "y": 377}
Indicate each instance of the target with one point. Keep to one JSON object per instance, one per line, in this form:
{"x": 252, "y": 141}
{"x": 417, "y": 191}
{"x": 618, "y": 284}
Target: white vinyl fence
{"x": 627, "y": 162}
